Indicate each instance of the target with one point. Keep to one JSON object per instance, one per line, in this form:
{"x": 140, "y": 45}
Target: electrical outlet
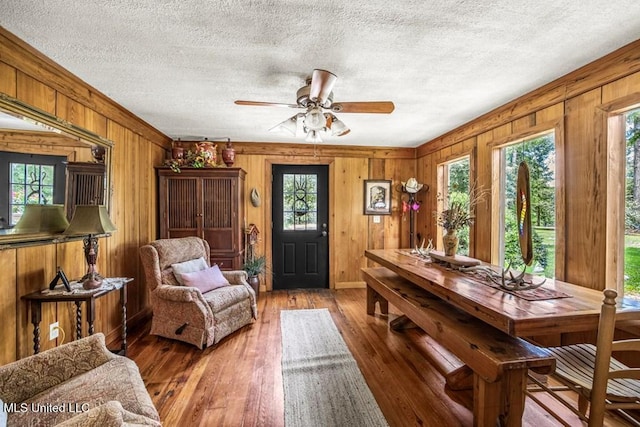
{"x": 53, "y": 331}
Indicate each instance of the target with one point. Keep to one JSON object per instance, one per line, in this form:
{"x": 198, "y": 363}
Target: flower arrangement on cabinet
{"x": 204, "y": 155}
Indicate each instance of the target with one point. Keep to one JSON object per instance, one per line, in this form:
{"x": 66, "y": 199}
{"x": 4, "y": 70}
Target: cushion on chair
{"x": 206, "y": 280}
{"x": 190, "y": 266}
{"x": 221, "y": 298}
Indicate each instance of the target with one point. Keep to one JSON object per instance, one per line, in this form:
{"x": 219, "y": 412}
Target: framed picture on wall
{"x": 377, "y": 197}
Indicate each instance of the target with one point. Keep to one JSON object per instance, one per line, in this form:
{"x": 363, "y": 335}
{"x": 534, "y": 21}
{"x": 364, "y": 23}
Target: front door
{"x": 300, "y": 226}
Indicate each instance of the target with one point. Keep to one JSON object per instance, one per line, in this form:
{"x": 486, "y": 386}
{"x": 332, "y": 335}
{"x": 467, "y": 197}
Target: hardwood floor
{"x": 239, "y": 383}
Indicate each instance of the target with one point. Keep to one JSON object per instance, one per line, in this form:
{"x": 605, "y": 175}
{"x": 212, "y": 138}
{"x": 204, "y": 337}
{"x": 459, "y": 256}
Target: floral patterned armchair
{"x": 84, "y": 384}
{"x": 186, "y": 313}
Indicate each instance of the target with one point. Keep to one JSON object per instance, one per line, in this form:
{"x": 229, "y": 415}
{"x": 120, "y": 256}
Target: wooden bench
{"x": 498, "y": 361}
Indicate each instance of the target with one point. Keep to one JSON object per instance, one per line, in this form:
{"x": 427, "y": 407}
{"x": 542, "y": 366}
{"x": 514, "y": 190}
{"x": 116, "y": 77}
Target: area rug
{"x": 322, "y": 383}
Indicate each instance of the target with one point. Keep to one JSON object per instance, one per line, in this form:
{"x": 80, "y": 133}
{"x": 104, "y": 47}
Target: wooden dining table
{"x": 555, "y": 307}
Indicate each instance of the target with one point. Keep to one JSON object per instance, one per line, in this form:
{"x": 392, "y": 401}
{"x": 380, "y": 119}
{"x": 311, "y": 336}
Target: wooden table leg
{"x": 123, "y": 304}
{"x": 78, "y": 319}
{"x": 91, "y": 315}
{"x": 36, "y": 317}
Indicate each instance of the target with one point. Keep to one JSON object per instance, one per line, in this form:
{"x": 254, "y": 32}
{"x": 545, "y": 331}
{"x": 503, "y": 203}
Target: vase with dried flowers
{"x": 457, "y": 212}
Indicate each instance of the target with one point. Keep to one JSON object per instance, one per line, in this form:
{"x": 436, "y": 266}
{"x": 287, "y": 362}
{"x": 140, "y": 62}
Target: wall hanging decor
{"x": 377, "y": 197}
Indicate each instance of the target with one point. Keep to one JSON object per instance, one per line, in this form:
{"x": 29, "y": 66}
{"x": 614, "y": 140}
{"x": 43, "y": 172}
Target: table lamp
{"x": 90, "y": 220}
{"x": 42, "y": 219}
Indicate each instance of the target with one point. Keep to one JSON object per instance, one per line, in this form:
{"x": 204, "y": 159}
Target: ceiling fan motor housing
{"x": 303, "y": 99}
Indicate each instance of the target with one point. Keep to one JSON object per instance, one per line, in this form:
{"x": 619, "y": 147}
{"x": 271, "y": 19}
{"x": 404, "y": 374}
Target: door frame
{"x": 269, "y": 217}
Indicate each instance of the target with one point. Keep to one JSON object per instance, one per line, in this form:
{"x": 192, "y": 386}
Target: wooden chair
{"x": 601, "y": 382}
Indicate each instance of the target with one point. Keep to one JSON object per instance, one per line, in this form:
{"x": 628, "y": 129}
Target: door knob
{"x": 324, "y": 234}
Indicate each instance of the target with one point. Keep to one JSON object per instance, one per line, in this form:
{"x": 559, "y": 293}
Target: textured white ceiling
{"x": 180, "y": 64}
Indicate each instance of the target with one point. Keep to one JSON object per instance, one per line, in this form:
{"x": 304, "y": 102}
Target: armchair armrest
{"x": 236, "y": 277}
{"x": 34, "y": 374}
{"x": 178, "y": 293}
{"x": 240, "y": 277}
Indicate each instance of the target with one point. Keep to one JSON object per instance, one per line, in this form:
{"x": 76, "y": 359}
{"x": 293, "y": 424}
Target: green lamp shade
{"x": 42, "y": 219}
{"x": 90, "y": 219}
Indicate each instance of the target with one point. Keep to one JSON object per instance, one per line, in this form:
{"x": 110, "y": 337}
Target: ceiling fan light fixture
{"x": 313, "y": 136}
{"x": 290, "y": 125}
{"x": 338, "y": 128}
{"x": 315, "y": 119}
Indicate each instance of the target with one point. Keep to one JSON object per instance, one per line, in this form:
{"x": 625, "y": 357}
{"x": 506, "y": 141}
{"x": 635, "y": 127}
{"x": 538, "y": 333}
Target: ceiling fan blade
{"x": 374, "y": 107}
{"x": 265, "y": 104}
{"x": 322, "y": 82}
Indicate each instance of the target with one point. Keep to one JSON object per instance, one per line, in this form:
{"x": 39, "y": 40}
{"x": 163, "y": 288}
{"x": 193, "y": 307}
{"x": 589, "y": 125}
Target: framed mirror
{"x": 48, "y": 162}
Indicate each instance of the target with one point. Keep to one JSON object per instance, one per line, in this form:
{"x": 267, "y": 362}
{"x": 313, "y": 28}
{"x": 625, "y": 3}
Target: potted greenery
{"x": 254, "y": 268}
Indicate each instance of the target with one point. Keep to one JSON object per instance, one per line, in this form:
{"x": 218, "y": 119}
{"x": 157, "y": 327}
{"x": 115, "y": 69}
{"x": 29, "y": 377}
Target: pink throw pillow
{"x": 206, "y": 280}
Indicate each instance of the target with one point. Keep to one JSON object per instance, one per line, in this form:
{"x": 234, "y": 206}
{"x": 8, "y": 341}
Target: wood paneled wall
{"x": 34, "y": 79}
{"x": 29, "y": 76}
{"x": 350, "y": 231}
{"x": 572, "y": 105}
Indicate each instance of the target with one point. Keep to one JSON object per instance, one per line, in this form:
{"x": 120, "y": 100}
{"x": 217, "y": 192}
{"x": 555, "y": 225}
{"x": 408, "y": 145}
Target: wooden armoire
{"x": 208, "y": 203}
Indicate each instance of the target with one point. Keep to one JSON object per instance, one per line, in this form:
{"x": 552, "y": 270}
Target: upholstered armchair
{"x": 193, "y": 313}
{"x": 84, "y": 384}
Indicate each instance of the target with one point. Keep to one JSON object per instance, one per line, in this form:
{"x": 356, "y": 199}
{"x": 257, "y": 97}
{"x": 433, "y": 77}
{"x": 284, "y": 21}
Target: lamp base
{"x": 91, "y": 280}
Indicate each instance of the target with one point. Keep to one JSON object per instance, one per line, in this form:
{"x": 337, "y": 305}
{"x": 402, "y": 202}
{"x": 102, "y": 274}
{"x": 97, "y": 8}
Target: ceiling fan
{"x": 316, "y": 97}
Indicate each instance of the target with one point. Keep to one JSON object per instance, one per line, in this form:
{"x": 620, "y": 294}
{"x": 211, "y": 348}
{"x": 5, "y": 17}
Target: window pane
{"x": 47, "y": 175}
{"x": 29, "y": 184}
{"x": 18, "y": 172}
{"x": 539, "y": 153}
{"x": 632, "y": 206}
{"x": 458, "y": 191}
{"x": 299, "y": 209}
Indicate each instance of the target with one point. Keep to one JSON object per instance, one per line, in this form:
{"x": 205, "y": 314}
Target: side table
{"x": 78, "y": 295}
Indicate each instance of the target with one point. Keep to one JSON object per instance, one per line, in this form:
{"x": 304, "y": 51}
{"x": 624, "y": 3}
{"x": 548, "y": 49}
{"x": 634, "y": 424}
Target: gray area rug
{"x": 322, "y": 383}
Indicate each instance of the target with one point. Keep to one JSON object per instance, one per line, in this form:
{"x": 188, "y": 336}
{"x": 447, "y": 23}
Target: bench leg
{"x": 460, "y": 378}
{"x": 402, "y": 322}
{"x": 501, "y": 402}
{"x": 372, "y": 298}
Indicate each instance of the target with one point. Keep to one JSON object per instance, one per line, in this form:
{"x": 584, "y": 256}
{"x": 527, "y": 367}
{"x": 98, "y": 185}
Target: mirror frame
{"x": 52, "y": 123}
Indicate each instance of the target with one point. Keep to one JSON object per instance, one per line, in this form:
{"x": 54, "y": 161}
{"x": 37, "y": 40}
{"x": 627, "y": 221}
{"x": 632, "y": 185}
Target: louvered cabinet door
{"x": 180, "y": 214}
{"x": 207, "y": 203}
{"x": 85, "y": 185}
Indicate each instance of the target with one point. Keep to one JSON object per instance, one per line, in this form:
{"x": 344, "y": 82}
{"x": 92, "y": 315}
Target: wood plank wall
{"x": 572, "y": 105}
{"x": 350, "y": 231}
{"x": 29, "y": 76}
{"x": 36, "y": 80}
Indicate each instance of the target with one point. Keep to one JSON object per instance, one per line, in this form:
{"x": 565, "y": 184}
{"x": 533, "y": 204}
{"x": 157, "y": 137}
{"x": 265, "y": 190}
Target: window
{"x": 539, "y": 153}
{"x": 29, "y": 179}
{"x": 632, "y": 205}
{"x": 300, "y": 207}
{"x": 454, "y": 186}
